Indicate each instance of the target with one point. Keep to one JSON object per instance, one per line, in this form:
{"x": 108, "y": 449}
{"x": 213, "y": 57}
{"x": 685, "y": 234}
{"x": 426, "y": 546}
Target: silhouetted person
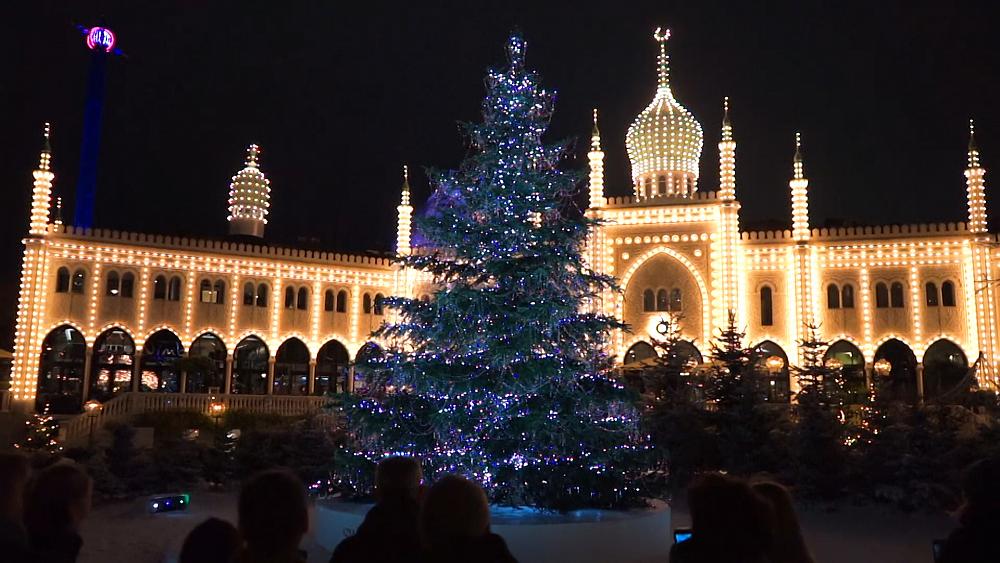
{"x": 455, "y": 524}
{"x": 273, "y": 517}
{"x": 57, "y": 502}
{"x": 788, "y": 544}
{"x": 14, "y": 473}
{"x": 212, "y": 541}
{"x": 729, "y": 523}
{"x": 977, "y": 539}
{"x": 389, "y": 531}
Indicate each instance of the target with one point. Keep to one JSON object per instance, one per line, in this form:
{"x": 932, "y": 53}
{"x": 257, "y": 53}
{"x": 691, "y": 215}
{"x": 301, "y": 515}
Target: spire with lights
{"x": 800, "y": 197}
{"x": 596, "y": 158}
{"x": 249, "y": 198}
{"x": 975, "y": 185}
{"x": 41, "y": 193}
{"x": 664, "y": 142}
{"x": 727, "y": 157}
{"x": 405, "y": 214}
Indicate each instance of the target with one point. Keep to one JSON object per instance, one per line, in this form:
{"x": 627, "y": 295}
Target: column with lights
{"x": 404, "y": 211}
{"x": 801, "y": 234}
{"x": 594, "y": 252}
{"x": 249, "y": 198}
{"x": 31, "y": 301}
{"x": 986, "y": 298}
{"x": 730, "y": 223}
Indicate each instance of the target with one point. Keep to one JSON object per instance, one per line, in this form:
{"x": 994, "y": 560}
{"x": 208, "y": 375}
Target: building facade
{"x": 104, "y": 312}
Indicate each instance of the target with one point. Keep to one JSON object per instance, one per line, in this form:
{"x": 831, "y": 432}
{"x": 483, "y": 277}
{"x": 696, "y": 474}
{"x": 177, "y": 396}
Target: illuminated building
{"x": 105, "y": 312}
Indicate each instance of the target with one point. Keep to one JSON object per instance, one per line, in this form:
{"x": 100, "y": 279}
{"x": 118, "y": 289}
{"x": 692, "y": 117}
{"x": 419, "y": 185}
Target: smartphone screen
{"x": 682, "y": 534}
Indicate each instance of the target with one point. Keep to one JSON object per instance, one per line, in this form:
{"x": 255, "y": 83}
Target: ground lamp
{"x": 93, "y": 409}
{"x": 216, "y": 410}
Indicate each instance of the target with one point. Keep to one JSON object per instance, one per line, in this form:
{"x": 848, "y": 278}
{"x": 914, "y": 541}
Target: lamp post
{"x": 216, "y": 409}
{"x": 883, "y": 367}
{"x": 774, "y": 364}
{"x": 93, "y": 409}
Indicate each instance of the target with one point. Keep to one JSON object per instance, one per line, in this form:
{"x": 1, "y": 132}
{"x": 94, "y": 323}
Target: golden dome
{"x": 664, "y": 142}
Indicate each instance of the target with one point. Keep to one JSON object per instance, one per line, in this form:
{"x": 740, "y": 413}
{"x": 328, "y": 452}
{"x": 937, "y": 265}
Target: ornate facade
{"x": 103, "y": 312}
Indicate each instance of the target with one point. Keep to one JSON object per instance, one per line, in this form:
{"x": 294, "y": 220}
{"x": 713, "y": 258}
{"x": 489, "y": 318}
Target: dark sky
{"x": 341, "y": 94}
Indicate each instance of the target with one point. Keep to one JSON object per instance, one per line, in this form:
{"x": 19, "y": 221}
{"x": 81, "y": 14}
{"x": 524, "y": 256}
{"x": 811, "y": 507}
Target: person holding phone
{"x": 975, "y": 540}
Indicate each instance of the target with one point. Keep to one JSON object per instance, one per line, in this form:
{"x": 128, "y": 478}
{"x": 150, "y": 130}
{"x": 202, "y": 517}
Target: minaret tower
{"x": 405, "y": 213}
{"x": 249, "y": 198}
{"x": 727, "y": 157}
{"x": 976, "y": 186}
{"x": 728, "y": 282}
{"x": 596, "y": 158}
{"x": 800, "y": 197}
{"x": 41, "y": 193}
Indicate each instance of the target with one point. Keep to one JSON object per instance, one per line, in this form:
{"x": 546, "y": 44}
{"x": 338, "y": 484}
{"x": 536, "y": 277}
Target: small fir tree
{"x": 41, "y": 434}
{"x": 504, "y": 377}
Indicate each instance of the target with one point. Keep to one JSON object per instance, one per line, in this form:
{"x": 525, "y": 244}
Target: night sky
{"x": 340, "y": 97}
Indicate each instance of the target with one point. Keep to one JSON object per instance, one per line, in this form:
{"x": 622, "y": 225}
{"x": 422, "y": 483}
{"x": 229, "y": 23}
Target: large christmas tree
{"x": 504, "y": 376}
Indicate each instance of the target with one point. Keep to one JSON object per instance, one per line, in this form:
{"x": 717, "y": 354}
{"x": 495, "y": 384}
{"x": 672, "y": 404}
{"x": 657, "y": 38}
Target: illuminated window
{"x": 328, "y": 301}
{"x": 289, "y": 297}
{"x": 378, "y": 303}
{"x": 78, "y": 280}
{"x": 675, "y": 300}
{"x": 896, "y": 295}
{"x": 205, "y": 291}
{"x": 113, "y": 285}
{"x": 366, "y": 304}
{"x": 766, "y": 306}
{"x": 219, "y": 288}
{"x": 262, "y": 295}
{"x": 948, "y": 294}
{"x": 128, "y": 285}
{"x": 174, "y": 289}
{"x": 662, "y": 300}
{"x": 931, "y": 294}
{"x": 302, "y": 302}
{"x": 832, "y": 296}
{"x": 881, "y": 295}
{"x": 648, "y": 301}
{"x": 847, "y": 296}
{"x": 342, "y": 301}
{"x": 661, "y": 185}
{"x": 248, "y": 294}
{"x": 160, "y": 288}
{"x": 62, "y": 280}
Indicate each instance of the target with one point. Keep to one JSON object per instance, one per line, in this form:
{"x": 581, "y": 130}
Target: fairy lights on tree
{"x": 502, "y": 377}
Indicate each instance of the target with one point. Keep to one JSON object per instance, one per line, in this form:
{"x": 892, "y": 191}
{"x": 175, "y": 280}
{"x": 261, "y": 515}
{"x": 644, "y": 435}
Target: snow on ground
{"x": 126, "y": 532}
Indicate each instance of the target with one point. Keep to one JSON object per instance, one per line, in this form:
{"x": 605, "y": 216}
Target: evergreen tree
{"x": 41, "y": 434}
{"x": 821, "y": 433}
{"x": 731, "y": 384}
{"x": 504, "y": 377}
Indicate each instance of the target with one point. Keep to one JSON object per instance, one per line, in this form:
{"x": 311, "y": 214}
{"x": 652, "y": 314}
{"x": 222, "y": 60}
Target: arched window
{"x": 881, "y": 295}
{"x": 302, "y": 302}
{"x": 220, "y": 292}
{"x": 378, "y": 303}
{"x": 661, "y": 185}
{"x": 832, "y": 296}
{"x": 648, "y": 301}
{"x": 328, "y": 300}
{"x": 112, "y": 287}
{"x": 248, "y": 293}
{"x": 174, "y": 289}
{"x": 205, "y": 291}
{"x": 931, "y": 294}
{"x": 160, "y": 288}
{"x": 128, "y": 285}
{"x": 366, "y": 304}
{"x": 675, "y": 300}
{"x": 662, "y": 300}
{"x": 847, "y": 296}
{"x": 896, "y": 295}
{"x": 948, "y": 294}
{"x": 289, "y": 297}
{"x": 79, "y": 277}
{"x": 62, "y": 280}
{"x": 262, "y": 295}
{"x": 766, "y": 306}
{"x": 342, "y": 301}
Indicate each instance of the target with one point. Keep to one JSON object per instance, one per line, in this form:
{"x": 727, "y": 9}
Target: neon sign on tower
{"x": 100, "y": 38}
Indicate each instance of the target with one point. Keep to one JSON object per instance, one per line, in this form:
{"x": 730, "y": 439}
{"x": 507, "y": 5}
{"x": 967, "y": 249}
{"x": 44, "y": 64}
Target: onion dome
{"x": 249, "y": 198}
{"x": 664, "y": 142}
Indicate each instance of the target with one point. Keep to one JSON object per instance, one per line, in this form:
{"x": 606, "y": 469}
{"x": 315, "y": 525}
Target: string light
{"x": 249, "y": 198}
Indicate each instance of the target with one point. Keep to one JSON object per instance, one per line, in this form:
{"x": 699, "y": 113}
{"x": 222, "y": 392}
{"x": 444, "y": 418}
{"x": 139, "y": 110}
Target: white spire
{"x": 975, "y": 184}
{"x": 41, "y": 193}
{"x": 404, "y": 214}
{"x": 800, "y": 195}
{"x": 596, "y": 158}
{"x": 249, "y": 197}
{"x": 727, "y": 157}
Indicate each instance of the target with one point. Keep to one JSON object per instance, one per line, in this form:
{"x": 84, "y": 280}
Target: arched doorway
{"x": 114, "y": 356}
{"x": 291, "y": 368}
{"x": 364, "y": 362}
{"x": 946, "y": 371}
{"x": 250, "y": 367}
{"x": 158, "y": 369}
{"x": 60, "y": 371}
{"x": 332, "y": 369}
{"x": 770, "y": 363}
{"x": 639, "y": 352}
{"x": 899, "y": 380}
{"x": 206, "y": 365}
{"x": 852, "y": 365}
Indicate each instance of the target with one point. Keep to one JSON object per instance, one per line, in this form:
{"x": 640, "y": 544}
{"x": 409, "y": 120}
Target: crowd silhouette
{"x": 732, "y": 520}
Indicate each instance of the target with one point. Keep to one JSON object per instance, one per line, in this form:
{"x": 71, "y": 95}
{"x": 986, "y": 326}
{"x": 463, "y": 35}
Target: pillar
{"x": 88, "y": 360}
{"x": 182, "y": 388}
{"x": 270, "y": 375}
{"x": 350, "y": 379}
{"x": 136, "y": 370}
{"x": 228, "y": 382}
{"x": 312, "y": 377}
{"x": 920, "y": 383}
